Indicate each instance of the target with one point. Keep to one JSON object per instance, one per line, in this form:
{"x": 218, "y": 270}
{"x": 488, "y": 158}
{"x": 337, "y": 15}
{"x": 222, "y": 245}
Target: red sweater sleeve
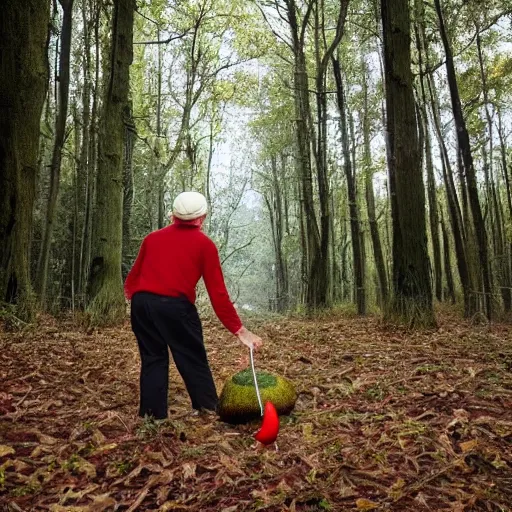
{"x": 131, "y": 278}
{"x": 216, "y": 287}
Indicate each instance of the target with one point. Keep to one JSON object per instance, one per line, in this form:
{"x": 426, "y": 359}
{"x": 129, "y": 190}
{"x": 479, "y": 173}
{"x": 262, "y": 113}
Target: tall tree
{"x": 458, "y": 231}
{"x": 311, "y": 232}
{"x": 370, "y": 195}
{"x": 424, "y": 128}
{"x": 24, "y": 34}
{"x": 89, "y": 150}
{"x": 320, "y": 287}
{"x": 350, "y": 176}
{"x": 105, "y": 287}
{"x": 58, "y": 145}
{"x": 412, "y": 291}
{"x": 466, "y": 158}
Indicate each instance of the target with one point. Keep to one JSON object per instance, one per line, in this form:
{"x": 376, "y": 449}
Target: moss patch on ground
{"x": 238, "y": 401}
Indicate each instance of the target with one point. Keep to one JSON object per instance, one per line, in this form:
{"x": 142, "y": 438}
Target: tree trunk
{"x": 83, "y": 168}
{"x": 60, "y": 131}
{"x": 427, "y": 146}
{"x": 469, "y": 170}
{"x": 24, "y": 34}
{"x": 107, "y": 304}
{"x": 500, "y": 253}
{"x": 432, "y": 205}
{"x": 355, "y": 229}
{"x": 92, "y": 159}
{"x": 450, "y": 287}
{"x": 129, "y": 140}
{"x": 311, "y": 233}
{"x": 457, "y": 224}
{"x": 412, "y": 300}
{"x": 507, "y": 292}
{"x": 274, "y": 204}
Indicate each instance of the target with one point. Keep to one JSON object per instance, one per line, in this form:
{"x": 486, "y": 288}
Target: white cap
{"x": 189, "y": 206}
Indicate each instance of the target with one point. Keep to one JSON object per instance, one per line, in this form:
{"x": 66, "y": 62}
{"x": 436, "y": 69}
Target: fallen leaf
{"x": 364, "y": 504}
{"x": 60, "y": 508}
{"x": 159, "y": 457}
{"x": 76, "y": 495}
{"x": 189, "y": 470}
{"x": 395, "y": 491}
{"x": 83, "y": 466}
{"x": 172, "y": 505}
{"x": 104, "y": 448}
{"x": 98, "y": 437}
{"x": 101, "y": 502}
{"x": 163, "y": 478}
{"x": 6, "y": 450}
{"x": 140, "y": 498}
{"x": 468, "y": 446}
{"x": 45, "y": 439}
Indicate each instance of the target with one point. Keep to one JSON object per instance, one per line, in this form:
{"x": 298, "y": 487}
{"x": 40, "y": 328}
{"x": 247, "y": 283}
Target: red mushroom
{"x": 267, "y": 434}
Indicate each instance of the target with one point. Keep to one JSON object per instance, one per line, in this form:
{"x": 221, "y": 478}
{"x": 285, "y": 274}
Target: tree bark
{"x": 469, "y": 170}
{"x": 450, "y": 287}
{"x": 500, "y": 253}
{"x": 24, "y": 34}
{"x": 427, "y": 147}
{"x": 83, "y": 168}
{"x": 412, "y": 300}
{"x": 355, "y": 227}
{"x": 92, "y": 160}
{"x": 311, "y": 233}
{"x": 454, "y": 210}
{"x": 129, "y": 141}
{"x": 432, "y": 205}
{"x": 507, "y": 292}
{"x": 107, "y": 304}
{"x": 60, "y": 132}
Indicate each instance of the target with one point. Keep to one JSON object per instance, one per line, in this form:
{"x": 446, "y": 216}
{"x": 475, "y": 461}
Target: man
{"x": 162, "y": 288}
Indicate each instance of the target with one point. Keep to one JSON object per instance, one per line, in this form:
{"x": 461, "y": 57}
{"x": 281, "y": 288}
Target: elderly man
{"x": 162, "y": 288}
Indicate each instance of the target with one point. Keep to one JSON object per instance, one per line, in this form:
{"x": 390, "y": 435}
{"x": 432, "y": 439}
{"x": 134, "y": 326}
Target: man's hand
{"x": 249, "y": 339}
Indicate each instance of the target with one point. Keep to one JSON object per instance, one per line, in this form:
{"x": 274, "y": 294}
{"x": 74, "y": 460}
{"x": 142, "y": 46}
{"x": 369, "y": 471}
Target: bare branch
{"x": 165, "y": 41}
{"x": 238, "y": 249}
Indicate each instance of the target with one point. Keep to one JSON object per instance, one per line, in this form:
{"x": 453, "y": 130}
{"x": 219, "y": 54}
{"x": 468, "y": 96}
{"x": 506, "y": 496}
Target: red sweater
{"x": 172, "y": 260}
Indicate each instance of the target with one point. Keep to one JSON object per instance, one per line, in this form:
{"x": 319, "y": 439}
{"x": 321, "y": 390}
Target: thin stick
{"x": 255, "y": 380}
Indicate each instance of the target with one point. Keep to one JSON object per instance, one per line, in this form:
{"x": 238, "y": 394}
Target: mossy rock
{"x": 238, "y": 402}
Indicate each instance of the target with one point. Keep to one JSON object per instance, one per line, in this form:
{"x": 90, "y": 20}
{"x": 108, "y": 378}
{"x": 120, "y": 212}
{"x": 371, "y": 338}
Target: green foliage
{"x": 245, "y": 378}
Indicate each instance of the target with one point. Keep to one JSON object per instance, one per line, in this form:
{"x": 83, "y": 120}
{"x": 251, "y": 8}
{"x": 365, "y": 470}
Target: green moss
{"x": 238, "y": 402}
{"x": 245, "y": 378}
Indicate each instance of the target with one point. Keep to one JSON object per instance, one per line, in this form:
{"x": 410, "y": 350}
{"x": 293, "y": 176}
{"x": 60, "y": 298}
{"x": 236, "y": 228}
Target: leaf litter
{"x": 386, "y": 419}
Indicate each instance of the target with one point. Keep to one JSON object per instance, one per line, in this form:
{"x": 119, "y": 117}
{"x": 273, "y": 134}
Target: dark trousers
{"x": 162, "y": 323}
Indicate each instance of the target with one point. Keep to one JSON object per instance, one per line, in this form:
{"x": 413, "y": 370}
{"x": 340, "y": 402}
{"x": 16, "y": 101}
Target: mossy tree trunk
{"x": 107, "y": 305}
{"x": 412, "y": 291}
{"x": 24, "y": 34}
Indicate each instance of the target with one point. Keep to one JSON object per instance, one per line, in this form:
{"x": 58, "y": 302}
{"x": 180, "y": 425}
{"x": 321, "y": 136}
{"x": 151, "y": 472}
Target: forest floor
{"x": 385, "y": 420}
